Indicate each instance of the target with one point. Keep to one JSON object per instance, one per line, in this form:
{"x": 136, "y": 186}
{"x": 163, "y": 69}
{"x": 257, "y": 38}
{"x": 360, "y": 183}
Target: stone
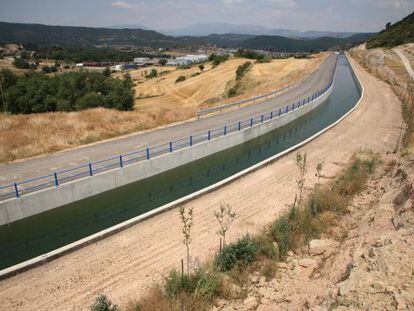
{"x": 265, "y": 292}
{"x": 254, "y": 279}
{"x": 282, "y": 265}
{"x": 307, "y": 262}
{"x": 319, "y": 247}
{"x": 220, "y": 302}
{"x": 250, "y": 303}
{"x": 265, "y": 308}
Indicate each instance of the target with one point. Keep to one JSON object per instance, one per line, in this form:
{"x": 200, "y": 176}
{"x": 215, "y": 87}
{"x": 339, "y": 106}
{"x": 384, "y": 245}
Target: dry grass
{"x": 159, "y": 101}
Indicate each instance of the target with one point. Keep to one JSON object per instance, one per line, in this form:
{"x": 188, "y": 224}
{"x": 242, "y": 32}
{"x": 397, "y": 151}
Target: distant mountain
{"x": 399, "y": 33}
{"x": 202, "y": 30}
{"x": 130, "y": 26}
{"x": 283, "y": 44}
{"x": 82, "y": 36}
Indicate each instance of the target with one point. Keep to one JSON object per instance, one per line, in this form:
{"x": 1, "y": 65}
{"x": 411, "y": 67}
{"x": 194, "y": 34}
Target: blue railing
{"x": 61, "y": 177}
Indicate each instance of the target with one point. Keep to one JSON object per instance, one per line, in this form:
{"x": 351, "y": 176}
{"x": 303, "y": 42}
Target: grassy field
{"x": 159, "y": 101}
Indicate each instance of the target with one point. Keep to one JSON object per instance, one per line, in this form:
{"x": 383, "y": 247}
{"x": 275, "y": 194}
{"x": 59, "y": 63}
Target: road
{"x": 405, "y": 61}
{"x": 40, "y": 166}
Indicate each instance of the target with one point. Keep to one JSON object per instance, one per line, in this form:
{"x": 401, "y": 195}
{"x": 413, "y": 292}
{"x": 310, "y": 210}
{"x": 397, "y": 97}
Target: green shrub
{"x": 102, "y": 303}
{"x": 281, "y": 231}
{"x": 243, "y": 251}
{"x": 266, "y": 247}
{"x": 242, "y": 70}
{"x": 153, "y": 74}
{"x": 201, "y": 284}
{"x": 21, "y": 63}
{"x": 180, "y": 79}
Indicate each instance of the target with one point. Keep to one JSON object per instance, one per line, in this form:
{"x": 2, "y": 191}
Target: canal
{"x": 33, "y": 236}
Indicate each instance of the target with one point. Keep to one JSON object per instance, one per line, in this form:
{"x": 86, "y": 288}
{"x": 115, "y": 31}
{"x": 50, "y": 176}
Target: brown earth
{"x": 126, "y": 264}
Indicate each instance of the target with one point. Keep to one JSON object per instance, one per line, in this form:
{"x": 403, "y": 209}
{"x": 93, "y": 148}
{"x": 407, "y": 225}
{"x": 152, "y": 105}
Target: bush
{"x": 180, "y": 79}
{"x": 21, "y": 63}
{"x": 218, "y": 59}
{"x": 242, "y": 70}
{"x": 153, "y": 74}
{"x": 266, "y": 247}
{"x": 102, "y": 303}
{"x": 243, "y": 252}
{"x": 281, "y": 231}
{"x": 200, "y": 284}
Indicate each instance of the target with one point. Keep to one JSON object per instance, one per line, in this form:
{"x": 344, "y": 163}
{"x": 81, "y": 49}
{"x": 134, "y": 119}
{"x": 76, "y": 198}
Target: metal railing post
{"x": 191, "y": 141}
{"x": 148, "y": 153}
{"x": 90, "y": 169}
{"x": 171, "y": 146}
{"x": 16, "y": 190}
{"x": 121, "y": 161}
{"x": 280, "y": 111}
{"x": 287, "y": 109}
{"x": 56, "y": 179}
{"x": 261, "y": 119}
{"x": 239, "y": 126}
{"x": 251, "y": 121}
{"x": 271, "y": 115}
{"x": 209, "y": 135}
{"x": 225, "y": 130}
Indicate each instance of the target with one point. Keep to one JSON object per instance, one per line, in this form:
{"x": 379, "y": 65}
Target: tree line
{"x": 36, "y": 92}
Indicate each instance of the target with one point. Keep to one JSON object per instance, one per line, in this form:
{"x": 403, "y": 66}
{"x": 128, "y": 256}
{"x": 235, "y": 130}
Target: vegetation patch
{"x": 180, "y": 79}
{"x": 36, "y": 92}
{"x": 240, "y": 73}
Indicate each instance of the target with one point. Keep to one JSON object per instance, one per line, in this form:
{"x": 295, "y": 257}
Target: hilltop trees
{"x": 36, "y": 92}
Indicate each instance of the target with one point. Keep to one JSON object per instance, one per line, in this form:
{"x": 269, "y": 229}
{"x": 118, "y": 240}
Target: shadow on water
{"x": 41, "y": 233}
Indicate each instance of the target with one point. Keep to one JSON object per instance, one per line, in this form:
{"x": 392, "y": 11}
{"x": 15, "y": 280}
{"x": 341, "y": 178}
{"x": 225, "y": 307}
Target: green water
{"x": 41, "y": 233}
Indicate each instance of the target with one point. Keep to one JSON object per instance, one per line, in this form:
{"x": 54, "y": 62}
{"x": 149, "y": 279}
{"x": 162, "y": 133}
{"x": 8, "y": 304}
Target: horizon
{"x": 322, "y": 15}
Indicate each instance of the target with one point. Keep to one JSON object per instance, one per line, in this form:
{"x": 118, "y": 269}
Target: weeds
{"x": 225, "y": 217}
{"x": 102, "y": 303}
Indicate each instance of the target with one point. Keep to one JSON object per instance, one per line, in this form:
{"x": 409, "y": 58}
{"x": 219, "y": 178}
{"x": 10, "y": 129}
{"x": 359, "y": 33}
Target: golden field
{"x": 159, "y": 101}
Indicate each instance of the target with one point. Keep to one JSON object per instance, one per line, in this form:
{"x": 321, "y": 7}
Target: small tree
{"x": 318, "y": 173}
{"x": 225, "y": 217}
{"x": 107, "y": 72}
{"x": 186, "y": 216}
{"x": 162, "y": 62}
{"x": 301, "y": 164}
{"x": 201, "y": 67}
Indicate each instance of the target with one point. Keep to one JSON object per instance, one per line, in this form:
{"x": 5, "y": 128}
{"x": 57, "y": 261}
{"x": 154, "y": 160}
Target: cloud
{"x": 122, "y": 5}
{"x": 389, "y": 4}
{"x": 232, "y": 2}
{"x": 283, "y": 4}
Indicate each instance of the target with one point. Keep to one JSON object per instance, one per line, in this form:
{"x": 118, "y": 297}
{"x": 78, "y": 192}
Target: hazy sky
{"x": 334, "y": 15}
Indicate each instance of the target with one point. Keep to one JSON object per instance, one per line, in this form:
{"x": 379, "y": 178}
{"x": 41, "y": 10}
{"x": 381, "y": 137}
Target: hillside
{"x": 81, "y": 36}
{"x": 283, "y": 44}
{"x": 400, "y": 33}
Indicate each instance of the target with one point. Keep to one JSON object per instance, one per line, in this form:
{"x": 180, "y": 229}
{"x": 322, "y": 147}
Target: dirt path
{"x": 124, "y": 265}
{"x": 405, "y": 61}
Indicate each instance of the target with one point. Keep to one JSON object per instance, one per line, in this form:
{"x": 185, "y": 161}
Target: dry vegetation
{"x": 159, "y": 101}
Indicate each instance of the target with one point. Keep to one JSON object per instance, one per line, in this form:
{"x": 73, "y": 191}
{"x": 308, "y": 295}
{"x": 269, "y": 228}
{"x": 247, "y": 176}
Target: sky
{"x": 327, "y": 15}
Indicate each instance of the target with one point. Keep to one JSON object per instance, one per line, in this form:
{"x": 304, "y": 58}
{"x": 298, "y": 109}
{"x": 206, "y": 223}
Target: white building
{"x": 188, "y": 60}
{"x": 141, "y": 61}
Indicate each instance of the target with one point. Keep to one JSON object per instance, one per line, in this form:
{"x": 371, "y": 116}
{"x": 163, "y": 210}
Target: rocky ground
{"x": 364, "y": 262}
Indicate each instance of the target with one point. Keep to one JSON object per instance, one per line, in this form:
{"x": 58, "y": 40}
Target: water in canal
{"x": 41, "y": 233}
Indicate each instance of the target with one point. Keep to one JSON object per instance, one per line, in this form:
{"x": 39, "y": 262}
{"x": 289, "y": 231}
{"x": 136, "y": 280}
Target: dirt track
{"x": 124, "y": 265}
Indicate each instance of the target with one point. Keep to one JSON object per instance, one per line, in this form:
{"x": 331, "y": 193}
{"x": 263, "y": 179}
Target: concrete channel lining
{"x": 50, "y": 198}
{"x": 37, "y": 261}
